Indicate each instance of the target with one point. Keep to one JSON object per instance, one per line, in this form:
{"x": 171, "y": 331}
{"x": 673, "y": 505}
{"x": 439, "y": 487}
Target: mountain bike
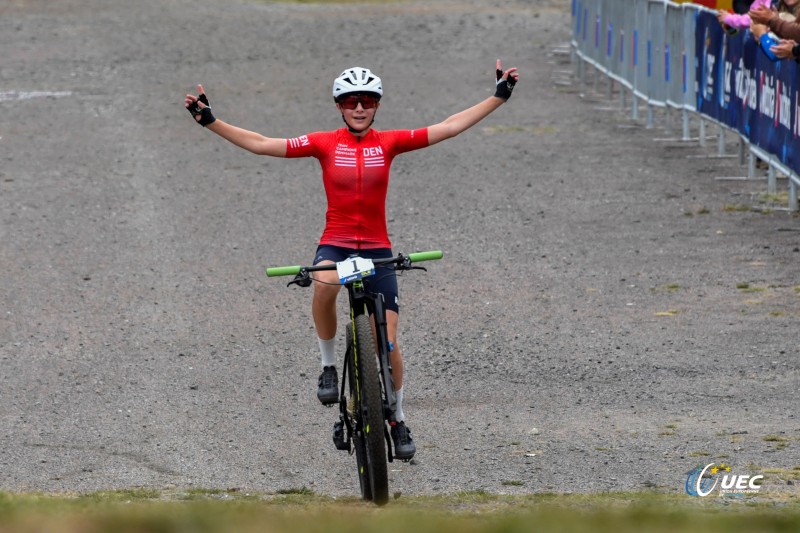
{"x": 367, "y": 399}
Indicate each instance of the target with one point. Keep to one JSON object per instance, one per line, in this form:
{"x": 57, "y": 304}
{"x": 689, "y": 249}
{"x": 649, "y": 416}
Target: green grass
{"x": 143, "y": 510}
{"x": 780, "y": 442}
{"x": 733, "y": 208}
{"x": 667, "y": 432}
{"x": 782, "y": 473}
{"x": 781, "y": 198}
{"x": 326, "y": 1}
{"x": 699, "y": 453}
{"x": 747, "y": 288}
{"x": 538, "y": 130}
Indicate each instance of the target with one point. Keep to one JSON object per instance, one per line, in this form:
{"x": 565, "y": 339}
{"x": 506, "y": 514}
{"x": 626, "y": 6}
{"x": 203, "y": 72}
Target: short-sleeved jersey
{"x": 355, "y": 172}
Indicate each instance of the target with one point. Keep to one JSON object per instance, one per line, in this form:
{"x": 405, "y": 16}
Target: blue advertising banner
{"x": 739, "y": 94}
{"x": 710, "y": 66}
{"x": 792, "y": 150}
{"x": 739, "y": 86}
{"x": 789, "y": 118}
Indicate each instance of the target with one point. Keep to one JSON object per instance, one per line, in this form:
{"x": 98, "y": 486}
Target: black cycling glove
{"x": 205, "y": 115}
{"x": 504, "y": 87}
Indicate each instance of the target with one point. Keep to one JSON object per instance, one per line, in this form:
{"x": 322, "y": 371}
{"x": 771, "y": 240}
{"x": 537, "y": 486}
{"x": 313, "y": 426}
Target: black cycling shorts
{"x": 384, "y": 281}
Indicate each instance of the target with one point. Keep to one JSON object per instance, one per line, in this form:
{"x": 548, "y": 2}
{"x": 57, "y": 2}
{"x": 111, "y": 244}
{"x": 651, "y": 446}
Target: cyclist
{"x": 355, "y": 164}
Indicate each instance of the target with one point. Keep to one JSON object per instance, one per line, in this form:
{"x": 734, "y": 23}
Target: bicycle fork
{"x": 384, "y": 359}
{"x": 343, "y": 424}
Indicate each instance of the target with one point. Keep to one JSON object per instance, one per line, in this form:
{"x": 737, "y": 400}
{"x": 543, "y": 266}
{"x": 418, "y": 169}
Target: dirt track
{"x": 600, "y": 322}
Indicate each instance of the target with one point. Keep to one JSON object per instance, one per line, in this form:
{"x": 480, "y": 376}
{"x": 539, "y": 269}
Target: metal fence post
{"x": 741, "y": 150}
{"x": 649, "y": 48}
{"x": 772, "y": 186}
{"x": 702, "y": 133}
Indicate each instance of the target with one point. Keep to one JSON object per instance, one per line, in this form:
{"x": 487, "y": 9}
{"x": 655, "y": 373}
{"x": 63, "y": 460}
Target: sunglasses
{"x": 352, "y": 101}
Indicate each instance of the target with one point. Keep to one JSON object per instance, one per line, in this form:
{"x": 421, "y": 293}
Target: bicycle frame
{"x": 372, "y": 304}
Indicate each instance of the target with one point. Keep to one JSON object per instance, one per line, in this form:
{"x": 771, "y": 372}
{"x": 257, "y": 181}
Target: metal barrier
{"x": 651, "y": 48}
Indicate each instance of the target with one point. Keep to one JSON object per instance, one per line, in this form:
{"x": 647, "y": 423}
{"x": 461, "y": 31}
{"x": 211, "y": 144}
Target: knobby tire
{"x": 358, "y": 439}
{"x": 371, "y": 411}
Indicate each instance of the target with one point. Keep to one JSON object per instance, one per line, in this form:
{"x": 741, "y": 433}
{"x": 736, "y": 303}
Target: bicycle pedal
{"x": 338, "y": 437}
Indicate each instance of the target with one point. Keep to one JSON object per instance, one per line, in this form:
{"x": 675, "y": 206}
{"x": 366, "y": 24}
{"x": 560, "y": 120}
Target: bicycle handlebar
{"x": 414, "y": 257}
{"x": 284, "y": 271}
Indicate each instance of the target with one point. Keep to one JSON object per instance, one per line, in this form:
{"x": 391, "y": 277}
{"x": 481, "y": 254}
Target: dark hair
{"x": 741, "y": 7}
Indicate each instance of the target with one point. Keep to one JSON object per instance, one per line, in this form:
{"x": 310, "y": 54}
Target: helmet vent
{"x": 357, "y": 79}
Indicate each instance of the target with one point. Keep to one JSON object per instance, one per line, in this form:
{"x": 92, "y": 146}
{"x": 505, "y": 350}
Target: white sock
{"x": 327, "y": 349}
{"x": 398, "y": 413}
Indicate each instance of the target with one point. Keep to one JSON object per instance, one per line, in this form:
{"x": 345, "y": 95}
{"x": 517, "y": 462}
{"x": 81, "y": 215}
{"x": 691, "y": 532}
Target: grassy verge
{"x": 328, "y": 1}
{"x": 211, "y": 510}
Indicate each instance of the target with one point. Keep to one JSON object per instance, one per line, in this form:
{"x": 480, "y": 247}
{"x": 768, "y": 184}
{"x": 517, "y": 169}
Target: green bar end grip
{"x": 283, "y": 271}
{"x": 425, "y": 256}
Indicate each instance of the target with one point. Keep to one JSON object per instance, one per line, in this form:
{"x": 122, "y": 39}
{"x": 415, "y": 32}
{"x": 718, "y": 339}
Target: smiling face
{"x": 358, "y": 111}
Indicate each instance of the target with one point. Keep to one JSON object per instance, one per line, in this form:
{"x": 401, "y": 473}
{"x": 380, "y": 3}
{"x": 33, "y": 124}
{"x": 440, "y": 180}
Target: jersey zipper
{"x": 359, "y": 189}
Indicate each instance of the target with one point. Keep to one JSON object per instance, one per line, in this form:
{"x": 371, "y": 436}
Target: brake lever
{"x": 302, "y": 279}
{"x": 405, "y": 264}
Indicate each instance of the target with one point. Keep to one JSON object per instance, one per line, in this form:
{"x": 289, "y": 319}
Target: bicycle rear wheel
{"x": 369, "y": 440}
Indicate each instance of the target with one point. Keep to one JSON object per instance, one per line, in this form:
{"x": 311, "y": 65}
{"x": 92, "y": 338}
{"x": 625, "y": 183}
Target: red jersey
{"x": 355, "y": 172}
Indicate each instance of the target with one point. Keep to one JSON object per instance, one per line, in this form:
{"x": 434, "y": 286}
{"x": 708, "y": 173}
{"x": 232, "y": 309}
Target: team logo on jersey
{"x": 297, "y": 142}
{"x": 344, "y": 156}
{"x": 373, "y": 157}
{"x": 342, "y": 161}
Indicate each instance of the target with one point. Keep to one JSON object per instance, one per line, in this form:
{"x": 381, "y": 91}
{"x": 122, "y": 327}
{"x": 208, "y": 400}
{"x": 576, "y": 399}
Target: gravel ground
{"x": 608, "y": 314}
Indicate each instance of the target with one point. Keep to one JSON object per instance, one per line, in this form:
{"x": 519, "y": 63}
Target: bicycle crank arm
{"x": 389, "y": 444}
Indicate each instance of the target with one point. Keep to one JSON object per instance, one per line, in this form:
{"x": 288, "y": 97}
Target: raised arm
{"x": 733, "y": 20}
{"x": 251, "y": 141}
{"x": 762, "y": 14}
{"x": 455, "y": 124}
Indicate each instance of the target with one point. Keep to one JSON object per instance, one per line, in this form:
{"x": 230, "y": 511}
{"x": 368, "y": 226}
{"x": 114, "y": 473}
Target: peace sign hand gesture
{"x": 506, "y": 80}
{"x": 199, "y": 107}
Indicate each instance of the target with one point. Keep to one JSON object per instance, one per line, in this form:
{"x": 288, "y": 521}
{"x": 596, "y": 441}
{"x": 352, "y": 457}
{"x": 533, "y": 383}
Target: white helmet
{"x": 357, "y": 80}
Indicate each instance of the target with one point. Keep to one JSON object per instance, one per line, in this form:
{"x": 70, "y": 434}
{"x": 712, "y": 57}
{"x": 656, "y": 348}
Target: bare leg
{"x": 323, "y": 306}
{"x": 392, "y": 319}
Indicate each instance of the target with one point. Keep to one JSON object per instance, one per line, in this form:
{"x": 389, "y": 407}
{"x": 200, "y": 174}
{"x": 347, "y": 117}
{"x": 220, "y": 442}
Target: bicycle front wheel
{"x": 369, "y": 406}
{"x": 359, "y": 445}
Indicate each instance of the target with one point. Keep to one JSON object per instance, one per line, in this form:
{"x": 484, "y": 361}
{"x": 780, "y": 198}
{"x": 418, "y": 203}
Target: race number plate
{"x": 354, "y": 268}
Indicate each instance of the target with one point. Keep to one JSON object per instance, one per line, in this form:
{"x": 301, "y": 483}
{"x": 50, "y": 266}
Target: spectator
{"x": 741, "y": 7}
{"x": 786, "y": 49}
{"x": 782, "y": 22}
{"x": 740, "y": 21}
{"x": 769, "y": 25}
